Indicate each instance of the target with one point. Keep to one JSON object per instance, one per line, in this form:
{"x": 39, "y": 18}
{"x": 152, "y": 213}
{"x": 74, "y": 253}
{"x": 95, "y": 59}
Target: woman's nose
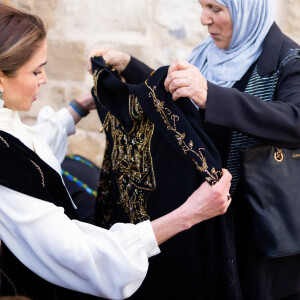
{"x": 206, "y": 18}
{"x": 43, "y": 78}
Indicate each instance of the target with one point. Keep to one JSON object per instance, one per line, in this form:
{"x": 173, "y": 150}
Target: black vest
{"x": 24, "y": 171}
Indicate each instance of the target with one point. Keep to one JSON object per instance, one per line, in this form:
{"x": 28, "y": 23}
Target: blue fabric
{"x": 251, "y": 21}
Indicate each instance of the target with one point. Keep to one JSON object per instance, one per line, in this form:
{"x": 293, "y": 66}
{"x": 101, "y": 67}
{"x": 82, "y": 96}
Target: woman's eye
{"x": 36, "y": 73}
{"x": 215, "y": 8}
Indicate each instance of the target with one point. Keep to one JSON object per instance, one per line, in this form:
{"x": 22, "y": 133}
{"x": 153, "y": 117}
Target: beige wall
{"x": 156, "y": 31}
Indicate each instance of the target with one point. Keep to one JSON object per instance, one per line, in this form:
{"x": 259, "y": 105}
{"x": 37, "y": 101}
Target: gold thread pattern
{"x": 4, "y": 141}
{"x": 104, "y": 192}
{"x": 171, "y": 120}
{"x": 40, "y": 171}
{"x": 10, "y": 281}
{"x": 131, "y": 160}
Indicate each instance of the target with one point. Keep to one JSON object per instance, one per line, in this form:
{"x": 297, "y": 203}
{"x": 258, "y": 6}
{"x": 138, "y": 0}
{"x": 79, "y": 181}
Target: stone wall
{"x": 156, "y": 31}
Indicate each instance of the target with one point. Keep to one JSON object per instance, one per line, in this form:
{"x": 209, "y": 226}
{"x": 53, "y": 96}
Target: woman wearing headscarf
{"x": 231, "y": 79}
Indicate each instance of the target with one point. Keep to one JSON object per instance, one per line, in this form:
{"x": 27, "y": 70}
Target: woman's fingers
{"x": 174, "y": 72}
{"x": 185, "y": 80}
{"x": 98, "y": 51}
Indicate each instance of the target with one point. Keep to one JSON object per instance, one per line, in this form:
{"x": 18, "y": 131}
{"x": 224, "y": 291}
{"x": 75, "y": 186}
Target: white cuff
{"x": 147, "y": 238}
{"x": 65, "y": 117}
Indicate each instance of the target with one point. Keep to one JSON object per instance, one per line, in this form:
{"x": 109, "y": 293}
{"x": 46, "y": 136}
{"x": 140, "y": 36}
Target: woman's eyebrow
{"x": 42, "y": 64}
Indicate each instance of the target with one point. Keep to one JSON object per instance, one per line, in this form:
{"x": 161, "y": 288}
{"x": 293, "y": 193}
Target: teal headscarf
{"x": 251, "y": 21}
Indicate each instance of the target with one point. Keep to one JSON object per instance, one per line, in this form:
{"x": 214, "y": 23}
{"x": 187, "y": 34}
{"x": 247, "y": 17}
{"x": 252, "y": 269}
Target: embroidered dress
{"x": 157, "y": 155}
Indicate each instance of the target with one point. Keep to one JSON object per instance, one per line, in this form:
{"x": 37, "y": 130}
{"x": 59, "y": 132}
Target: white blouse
{"x": 72, "y": 254}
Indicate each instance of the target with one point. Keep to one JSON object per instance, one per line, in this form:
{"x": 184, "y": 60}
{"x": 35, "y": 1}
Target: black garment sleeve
{"x": 136, "y": 71}
{"x": 276, "y": 122}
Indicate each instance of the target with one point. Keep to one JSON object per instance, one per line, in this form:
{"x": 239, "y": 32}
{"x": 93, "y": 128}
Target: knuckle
{"x": 172, "y": 77}
{"x": 175, "y": 83}
{"x": 223, "y": 210}
{"x": 180, "y": 93}
{"x": 216, "y": 194}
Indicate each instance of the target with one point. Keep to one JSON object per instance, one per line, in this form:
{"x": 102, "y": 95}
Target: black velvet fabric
{"x": 195, "y": 264}
{"x": 22, "y": 170}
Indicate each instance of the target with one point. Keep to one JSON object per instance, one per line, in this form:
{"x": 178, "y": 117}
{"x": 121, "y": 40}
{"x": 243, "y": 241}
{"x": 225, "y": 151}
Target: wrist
{"x": 86, "y": 101}
{"x": 79, "y": 108}
{"x": 181, "y": 218}
{"x": 125, "y": 62}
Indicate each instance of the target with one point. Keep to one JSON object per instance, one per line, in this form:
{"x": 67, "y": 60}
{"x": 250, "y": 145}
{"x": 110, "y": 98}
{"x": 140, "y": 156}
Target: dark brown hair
{"x": 21, "y": 34}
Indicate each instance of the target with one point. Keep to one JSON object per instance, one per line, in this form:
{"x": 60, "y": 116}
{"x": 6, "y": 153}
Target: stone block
{"x": 107, "y": 16}
{"x": 288, "y": 20}
{"x": 66, "y": 60}
{"x": 46, "y": 10}
{"x": 28, "y": 5}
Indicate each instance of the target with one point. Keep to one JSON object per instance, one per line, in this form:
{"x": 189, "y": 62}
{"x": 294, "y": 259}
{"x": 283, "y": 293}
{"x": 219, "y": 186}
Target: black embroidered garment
{"x": 157, "y": 155}
{"x": 24, "y": 171}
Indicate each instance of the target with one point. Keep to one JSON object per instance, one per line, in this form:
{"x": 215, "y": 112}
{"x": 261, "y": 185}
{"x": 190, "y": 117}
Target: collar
{"x": 270, "y": 56}
{"x": 9, "y": 119}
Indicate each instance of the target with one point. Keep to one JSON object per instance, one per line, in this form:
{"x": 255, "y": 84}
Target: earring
{"x": 1, "y": 101}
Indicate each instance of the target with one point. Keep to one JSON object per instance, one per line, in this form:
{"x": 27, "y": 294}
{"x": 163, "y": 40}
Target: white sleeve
{"x": 75, "y": 255}
{"x": 54, "y": 127}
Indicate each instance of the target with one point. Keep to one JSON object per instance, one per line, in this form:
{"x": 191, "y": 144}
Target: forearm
{"x": 275, "y": 122}
{"x": 171, "y": 224}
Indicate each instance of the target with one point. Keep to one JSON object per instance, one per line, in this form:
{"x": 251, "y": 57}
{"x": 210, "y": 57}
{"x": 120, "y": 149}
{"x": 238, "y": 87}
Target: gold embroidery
{"x": 10, "y": 281}
{"x": 40, "y": 171}
{"x": 171, "y": 120}
{"x": 106, "y": 122}
{"x": 131, "y": 160}
{"x": 104, "y": 192}
{"x": 4, "y": 141}
{"x": 295, "y": 155}
{"x": 95, "y": 79}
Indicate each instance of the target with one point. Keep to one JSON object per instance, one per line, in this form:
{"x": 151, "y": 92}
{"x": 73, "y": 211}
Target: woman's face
{"x": 218, "y": 21}
{"x": 20, "y": 91}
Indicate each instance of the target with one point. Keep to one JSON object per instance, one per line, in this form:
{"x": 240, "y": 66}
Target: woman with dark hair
{"x": 46, "y": 252}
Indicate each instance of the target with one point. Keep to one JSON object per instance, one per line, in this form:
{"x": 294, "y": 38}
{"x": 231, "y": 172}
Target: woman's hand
{"x": 208, "y": 201}
{"x": 114, "y": 58}
{"x": 205, "y": 203}
{"x": 185, "y": 80}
